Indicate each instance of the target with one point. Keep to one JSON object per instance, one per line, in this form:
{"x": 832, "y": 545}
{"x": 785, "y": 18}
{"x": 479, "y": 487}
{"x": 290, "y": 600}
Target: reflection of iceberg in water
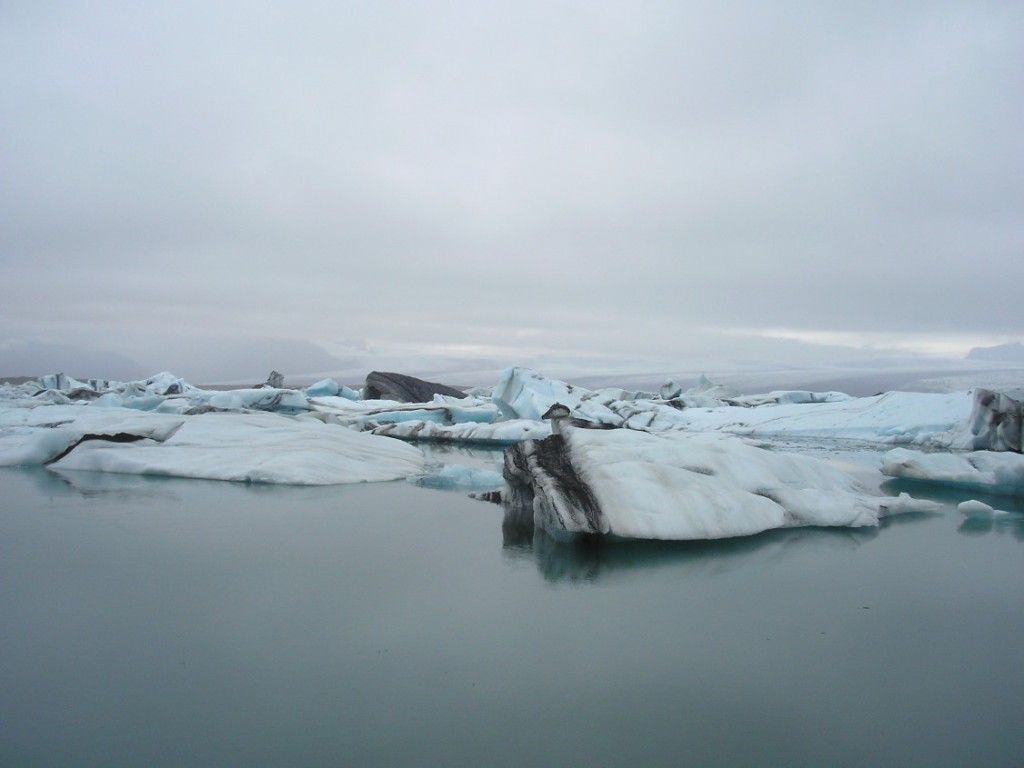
{"x": 1012, "y": 523}
{"x": 460, "y": 468}
{"x": 950, "y": 494}
{"x": 592, "y": 559}
{"x": 467, "y": 455}
{"x": 1008, "y": 519}
{"x": 55, "y": 482}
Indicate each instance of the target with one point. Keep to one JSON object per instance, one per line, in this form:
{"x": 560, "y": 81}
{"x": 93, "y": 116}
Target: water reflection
{"x": 1008, "y": 519}
{"x": 594, "y": 559}
{"x": 947, "y": 494}
{"x": 1012, "y": 523}
{"x": 55, "y": 483}
{"x": 467, "y": 455}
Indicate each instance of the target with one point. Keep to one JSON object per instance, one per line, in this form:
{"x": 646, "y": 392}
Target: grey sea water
{"x": 167, "y": 622}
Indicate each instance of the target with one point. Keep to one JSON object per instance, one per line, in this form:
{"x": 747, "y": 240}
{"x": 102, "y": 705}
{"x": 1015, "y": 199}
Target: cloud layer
{"x": 517, "y": 177}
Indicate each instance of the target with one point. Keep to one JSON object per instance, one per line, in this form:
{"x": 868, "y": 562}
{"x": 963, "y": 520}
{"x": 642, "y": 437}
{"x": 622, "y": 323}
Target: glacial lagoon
{"x": 169, "y": 622}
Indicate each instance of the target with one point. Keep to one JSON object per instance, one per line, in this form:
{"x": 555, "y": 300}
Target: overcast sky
{"x": 660, "y": 178}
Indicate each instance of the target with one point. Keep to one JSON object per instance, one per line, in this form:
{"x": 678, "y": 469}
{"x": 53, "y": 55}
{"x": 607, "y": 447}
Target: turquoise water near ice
{"x": 167, "y": 622}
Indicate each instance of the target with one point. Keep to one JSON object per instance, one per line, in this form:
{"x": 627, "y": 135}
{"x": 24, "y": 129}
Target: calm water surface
{"x": 165, "y": 622}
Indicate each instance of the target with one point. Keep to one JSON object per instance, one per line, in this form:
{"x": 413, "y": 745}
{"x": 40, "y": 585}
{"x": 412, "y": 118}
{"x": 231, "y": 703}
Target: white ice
{"x": 40, "y": 420}
{"x": 893, "y": 418}
{"x": 993, "y": 471}
{"x": 240, "y": 445}
{"x": 981, "y": 510}
{"x": 458, "y": 477}
{"x": 705, "y": 486}
{"x": 255, "y": 447}
{"x": 525, "y": 394}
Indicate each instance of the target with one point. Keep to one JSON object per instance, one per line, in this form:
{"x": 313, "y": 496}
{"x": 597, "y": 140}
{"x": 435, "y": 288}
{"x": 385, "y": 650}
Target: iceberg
{"x": 680, "y": 486}
{"x": 979, "y": 509}
{"x": 525, "y": 394}
{"x": 326, "y": 434}
{"x": 331, "y": 388}
{"x": 996, "y": 421}
{"x": 522, "y": 393}
{"x": 930, "y": 420}
{"x": 255, "y": 448}
{"x": 894, "y": 418}
{"x": 259, "y": 399}
{"x": 704, "y": 394}
{"x": 34, "y": 436}
{"x": 164, "y": 426}
{"x": 996, "y": 472}
{"x": 382, "y": 385}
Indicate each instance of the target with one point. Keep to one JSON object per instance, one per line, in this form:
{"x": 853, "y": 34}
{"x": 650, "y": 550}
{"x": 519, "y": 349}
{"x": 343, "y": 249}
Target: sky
{"x": 217, "y": 186}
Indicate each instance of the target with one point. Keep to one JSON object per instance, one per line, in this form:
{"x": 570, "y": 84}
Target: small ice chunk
{"x": 975, "y": 508}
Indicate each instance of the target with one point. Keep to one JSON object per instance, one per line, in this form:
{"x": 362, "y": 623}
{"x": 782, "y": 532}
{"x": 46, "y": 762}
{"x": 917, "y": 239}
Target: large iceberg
{"x": 525, "y": 394}
{"x": 893, "y": 418}
{"x": 992, "y": 471}
{"x": 383, "y": 385}
{"x": 188, "y": 434}
{"x": 631, "y": 484}
{"x": 254, "y": 447}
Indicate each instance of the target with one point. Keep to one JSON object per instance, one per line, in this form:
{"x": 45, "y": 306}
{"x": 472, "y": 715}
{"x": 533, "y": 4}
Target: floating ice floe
{"x": 32, "y": 436}
{"x": 893, "y": 418}
{"x": 254, "y": 447}
{"x": 330, "y": 388}
{"x": 164, "y": 425}
{"x": 979, "y": 509}
{"x": 439, "y": 411}
{"x": 677, "y": 485}
{"x": 525, "y": 394}
{"x": 992, "y": 471}
{"x": 241, "y": 445}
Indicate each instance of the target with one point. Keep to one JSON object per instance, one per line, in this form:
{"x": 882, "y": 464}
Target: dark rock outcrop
{"x": 381, "y": 385}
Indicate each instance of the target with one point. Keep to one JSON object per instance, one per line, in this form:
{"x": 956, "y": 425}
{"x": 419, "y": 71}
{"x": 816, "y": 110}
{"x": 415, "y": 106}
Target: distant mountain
{"x": 1010, "y": 353}
{"x": 238, "y": 360}
{"x": 34, "y": 359}
{"x": 200, "y": 361}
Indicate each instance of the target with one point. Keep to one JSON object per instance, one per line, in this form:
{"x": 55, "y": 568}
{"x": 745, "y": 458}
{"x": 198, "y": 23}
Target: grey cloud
{"x": 611, "y": 176}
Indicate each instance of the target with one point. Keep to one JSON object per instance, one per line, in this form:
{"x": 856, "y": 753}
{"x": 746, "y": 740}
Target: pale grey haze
{"x": 211, "y": 187}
